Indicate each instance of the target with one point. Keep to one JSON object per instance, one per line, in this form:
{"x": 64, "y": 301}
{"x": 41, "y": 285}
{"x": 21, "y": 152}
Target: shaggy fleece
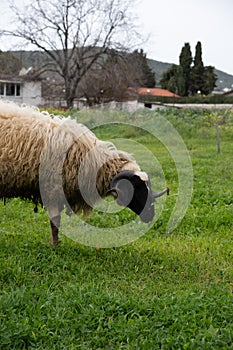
{"x": 39, "y": 151}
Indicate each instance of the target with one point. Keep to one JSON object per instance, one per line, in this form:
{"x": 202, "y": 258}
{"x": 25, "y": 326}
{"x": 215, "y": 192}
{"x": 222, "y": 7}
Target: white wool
{"x": 25, "y": 135}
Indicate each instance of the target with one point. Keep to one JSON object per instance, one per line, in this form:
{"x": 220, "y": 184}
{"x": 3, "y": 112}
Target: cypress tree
{"x": 185, "y": 64}
{"x": 197, "y": 73}
{"x": 185, "y": 78}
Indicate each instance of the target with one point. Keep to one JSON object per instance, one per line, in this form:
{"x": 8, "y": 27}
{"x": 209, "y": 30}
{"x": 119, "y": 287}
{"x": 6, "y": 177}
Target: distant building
{"x": 145, "y": 97}
{"x": 152, "y": 92}
{"x": 21, "y": 89}
{"x": 229, "y": 93}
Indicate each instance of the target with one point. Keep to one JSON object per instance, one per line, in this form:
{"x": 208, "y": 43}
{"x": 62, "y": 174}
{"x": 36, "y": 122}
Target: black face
{"x": 135, "y": 194}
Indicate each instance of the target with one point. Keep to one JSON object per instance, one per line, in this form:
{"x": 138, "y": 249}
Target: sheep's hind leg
{"x": 55, "y": 224}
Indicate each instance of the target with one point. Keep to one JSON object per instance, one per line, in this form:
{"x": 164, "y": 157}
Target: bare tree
{"x": 113, "y": 77}
{"x": 74, "y": 34}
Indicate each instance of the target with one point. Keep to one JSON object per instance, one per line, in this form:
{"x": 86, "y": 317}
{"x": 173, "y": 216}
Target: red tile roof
{"x": 155, "y": 92}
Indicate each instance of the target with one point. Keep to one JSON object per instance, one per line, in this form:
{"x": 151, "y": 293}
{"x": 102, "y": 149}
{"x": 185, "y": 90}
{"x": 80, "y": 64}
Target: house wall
{"x": 132, "y": 106}
{"x": 30, "y": 93}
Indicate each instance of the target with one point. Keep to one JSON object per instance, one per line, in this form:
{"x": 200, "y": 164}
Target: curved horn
{"x": 160, "y": 194}
{"x": 126, "y": 174}
{"x": 113, "y": 190}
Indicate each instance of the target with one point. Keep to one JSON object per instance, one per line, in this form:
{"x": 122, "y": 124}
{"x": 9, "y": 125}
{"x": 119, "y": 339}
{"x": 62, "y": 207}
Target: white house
{"x": 21, "y": 90}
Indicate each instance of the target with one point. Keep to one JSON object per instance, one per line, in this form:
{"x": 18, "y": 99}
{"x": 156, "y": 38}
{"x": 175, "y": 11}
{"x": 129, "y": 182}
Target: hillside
{"x": 224, "y": 80}
{"x": 37, "y": 58}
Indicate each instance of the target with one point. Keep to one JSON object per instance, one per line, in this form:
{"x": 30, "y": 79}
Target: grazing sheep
{"x": 40, "y": 154}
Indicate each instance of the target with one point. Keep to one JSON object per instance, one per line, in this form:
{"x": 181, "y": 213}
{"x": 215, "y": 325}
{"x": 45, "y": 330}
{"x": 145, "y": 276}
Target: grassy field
{"x": 163, "y": 291}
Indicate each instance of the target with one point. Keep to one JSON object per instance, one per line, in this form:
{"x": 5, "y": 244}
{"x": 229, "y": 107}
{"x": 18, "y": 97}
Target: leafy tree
{"x": 74, "y": 34}
{"x": 181, "y": 83}
{"x": 173, "y": 80}
{"x": 210, "y": 79}
{"x": 185, "y": 64}
{"x": 169, "y": 74}
{"x": 147, "y": 74}
{"x": 172, "y": 84}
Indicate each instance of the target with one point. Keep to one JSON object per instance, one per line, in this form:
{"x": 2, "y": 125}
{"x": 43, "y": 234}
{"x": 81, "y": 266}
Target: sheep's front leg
{"x": 55, "y": 224}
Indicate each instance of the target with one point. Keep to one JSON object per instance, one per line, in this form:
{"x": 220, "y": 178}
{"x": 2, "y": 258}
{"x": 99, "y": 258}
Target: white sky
{"x": 175, "y": 22}
{"x": 171, "y": 23}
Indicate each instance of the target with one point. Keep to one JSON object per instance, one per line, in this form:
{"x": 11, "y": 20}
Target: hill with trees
{"x": 112, "y": 73}
{"x": 112, "y": 77}
{"x": 224, "y": 80}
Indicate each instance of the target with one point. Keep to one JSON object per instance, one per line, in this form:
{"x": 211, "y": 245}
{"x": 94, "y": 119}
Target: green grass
{"x": 164, "y": 291}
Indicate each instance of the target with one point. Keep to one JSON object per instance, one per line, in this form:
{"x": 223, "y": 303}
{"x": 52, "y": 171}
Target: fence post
{"x": 218, "y": 137}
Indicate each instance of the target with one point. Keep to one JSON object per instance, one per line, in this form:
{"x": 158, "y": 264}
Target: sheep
{"x": 40, "y": 153}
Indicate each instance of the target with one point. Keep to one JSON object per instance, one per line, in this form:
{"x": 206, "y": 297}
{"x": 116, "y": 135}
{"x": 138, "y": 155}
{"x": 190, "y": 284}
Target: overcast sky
{"x": 171, "y": 23}
{"x": 175, "y": 22}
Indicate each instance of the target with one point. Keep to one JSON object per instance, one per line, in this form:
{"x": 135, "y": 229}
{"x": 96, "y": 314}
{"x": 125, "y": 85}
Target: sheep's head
{"x": 133, "y": 190}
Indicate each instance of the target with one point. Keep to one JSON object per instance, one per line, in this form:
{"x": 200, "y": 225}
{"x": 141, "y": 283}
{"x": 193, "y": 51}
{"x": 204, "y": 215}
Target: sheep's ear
{"x": 113, "y": 192}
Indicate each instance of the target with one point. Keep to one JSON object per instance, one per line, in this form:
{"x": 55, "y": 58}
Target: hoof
{"x": 54, "y": 242}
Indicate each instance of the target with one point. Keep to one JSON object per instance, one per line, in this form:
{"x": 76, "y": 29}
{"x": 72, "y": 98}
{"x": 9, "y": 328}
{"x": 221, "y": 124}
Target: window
{"x": 17, "y": 89}
{"x": 1, "y": 89}
{"x": 148, "y": 105}
{"x": 9, "y": 89}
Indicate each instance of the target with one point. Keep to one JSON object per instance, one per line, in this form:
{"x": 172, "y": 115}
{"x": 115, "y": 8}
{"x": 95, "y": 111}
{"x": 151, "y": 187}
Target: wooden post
{"x": 218, "y": 137}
